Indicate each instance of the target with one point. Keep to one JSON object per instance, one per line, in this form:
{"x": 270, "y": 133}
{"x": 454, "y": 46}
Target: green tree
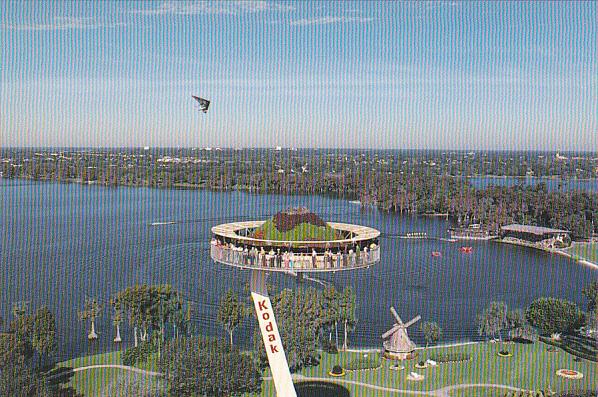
{"x": 330, "y": 311}
{"x": 551, "y": 315}
{"x": 591, "y": 294}
{"x": 91, "y": 310}
{"x": 17, "y": 379}
{"x": 21, "y": 327}
{"x": 519, "y": 327}
{"x": 43, "y": 335}
{"x": 299, "y": 321}
{"x": 231, "y": 312}
{"x": 432, "y": 332}
{"x": 16, "y": 375}
{"x": 493, "y": 320}
{"x": 347, "y": 312}
{"x": 149, "y": 307}
{"x": 201, "y": 366}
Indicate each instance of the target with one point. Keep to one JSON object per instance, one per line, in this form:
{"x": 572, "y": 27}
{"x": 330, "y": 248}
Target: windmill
{"x": 397, "y": 344}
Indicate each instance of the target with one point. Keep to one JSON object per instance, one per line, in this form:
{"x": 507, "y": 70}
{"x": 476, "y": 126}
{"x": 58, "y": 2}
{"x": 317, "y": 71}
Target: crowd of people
{"x": 275, "y": 257}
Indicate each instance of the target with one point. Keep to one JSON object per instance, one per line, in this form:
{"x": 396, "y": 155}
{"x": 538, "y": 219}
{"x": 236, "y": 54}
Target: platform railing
{"x": 295, "y": 261}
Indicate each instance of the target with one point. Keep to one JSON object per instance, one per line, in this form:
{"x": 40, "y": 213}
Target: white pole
{"x": 271, "y": 337}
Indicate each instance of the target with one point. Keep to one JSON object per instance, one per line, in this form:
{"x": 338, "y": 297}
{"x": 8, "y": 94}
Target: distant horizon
{"x": 288, "y": 148}
{"x": 458, "y": 75}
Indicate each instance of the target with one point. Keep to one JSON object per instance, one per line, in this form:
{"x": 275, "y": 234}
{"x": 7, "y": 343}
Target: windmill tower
{"x": 397, "y": 344}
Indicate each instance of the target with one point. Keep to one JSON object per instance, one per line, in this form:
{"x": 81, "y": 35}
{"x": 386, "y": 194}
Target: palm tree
{"x": 91, "y": 311}
{"x": 117, "y": 318}
{"x": 347, "y": 312}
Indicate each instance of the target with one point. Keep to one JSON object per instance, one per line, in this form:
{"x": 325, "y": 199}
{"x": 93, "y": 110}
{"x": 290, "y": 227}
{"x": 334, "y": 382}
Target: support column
{"x": 270, "y": 335}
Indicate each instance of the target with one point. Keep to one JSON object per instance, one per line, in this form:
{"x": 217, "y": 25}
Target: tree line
{"x": 404, "y": 182}
{"x": 545, "y": 316}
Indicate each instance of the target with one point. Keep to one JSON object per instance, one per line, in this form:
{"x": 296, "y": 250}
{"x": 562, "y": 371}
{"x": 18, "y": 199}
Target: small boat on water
{"x": 436, "y": 254}
{"x": 416, "y": 235}
{"x": 161, "y": 223}
{"x": 466, "y": 250}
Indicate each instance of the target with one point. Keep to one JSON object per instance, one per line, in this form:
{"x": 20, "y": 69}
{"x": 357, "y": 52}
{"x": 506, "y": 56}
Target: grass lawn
{"x": 98, "y": 359}
{"x": 96, "y": 381}
{"x": 531, "y": 367}
{"x": 587, "y": 251}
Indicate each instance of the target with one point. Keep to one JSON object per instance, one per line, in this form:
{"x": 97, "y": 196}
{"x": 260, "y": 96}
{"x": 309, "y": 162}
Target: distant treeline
{"x": 416, "y": 182}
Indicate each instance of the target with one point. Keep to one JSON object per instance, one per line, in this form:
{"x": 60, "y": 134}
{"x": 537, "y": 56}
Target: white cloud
{"x": 209, "y": 7}
{"x": 61, "y": 23}
{"x": 327, "y": 20}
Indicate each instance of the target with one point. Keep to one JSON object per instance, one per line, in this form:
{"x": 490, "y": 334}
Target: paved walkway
{"x": 443, "y": 392}
{"x": 116, "y": 366}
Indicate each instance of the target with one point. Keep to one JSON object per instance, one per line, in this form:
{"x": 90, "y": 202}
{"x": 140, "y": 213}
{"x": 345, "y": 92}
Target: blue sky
{"x": 447, "y": 74}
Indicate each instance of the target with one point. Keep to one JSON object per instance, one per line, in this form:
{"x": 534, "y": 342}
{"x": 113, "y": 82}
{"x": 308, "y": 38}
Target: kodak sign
{"x": 271, "y": 337}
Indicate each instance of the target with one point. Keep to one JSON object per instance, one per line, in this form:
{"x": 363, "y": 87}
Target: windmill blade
{"x": 394, "y": 313}
{"x": 391, "y": 331}
{"x": 410, "y": 323}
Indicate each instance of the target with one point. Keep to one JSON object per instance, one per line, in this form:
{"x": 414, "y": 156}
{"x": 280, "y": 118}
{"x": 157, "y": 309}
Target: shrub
{"x": 369, "y": 362}
{"x": 139, "y": 354}
{"x": 328, "y": 346}
{"x": 201, "y": 366}
{"x": 337, "y": 370}
{"x": 578, "y": 393}
{"x": 529, "y": 393}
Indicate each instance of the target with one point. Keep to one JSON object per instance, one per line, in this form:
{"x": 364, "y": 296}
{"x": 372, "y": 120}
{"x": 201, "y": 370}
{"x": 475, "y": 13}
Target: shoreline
{"x": 552, "y": 177}
{"x": 560, "y": 252}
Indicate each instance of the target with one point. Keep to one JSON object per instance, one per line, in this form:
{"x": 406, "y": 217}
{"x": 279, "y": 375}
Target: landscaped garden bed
{"x": 336, "y": 371}
{"x": 577, "y": 345}
{"x": 505, "y": 353}
{"x": 569, "y": 374}
{"x": 365, "y": 362}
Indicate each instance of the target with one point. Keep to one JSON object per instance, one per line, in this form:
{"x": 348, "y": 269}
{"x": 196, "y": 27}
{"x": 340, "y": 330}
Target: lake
{"x": 62, "y": 242}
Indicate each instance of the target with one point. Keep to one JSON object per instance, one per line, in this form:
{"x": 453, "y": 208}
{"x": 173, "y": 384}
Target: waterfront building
{"x": 536, "y": 234}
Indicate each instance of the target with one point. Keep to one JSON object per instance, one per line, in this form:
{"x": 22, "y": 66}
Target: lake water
{"x": 60, "y": 243}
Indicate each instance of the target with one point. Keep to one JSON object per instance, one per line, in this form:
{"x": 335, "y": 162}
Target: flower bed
{"x": 337, "y": 371}
{"x": 576, "y": 345}
{"x": 569, "y": 374}
{"x": 361, "y": 363}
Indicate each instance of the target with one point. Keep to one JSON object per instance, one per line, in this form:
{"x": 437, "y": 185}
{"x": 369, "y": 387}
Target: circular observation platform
{"x": 233, "y": 245}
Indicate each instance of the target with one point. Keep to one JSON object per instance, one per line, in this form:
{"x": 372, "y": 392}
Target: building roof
{"x": 538, "y": 230}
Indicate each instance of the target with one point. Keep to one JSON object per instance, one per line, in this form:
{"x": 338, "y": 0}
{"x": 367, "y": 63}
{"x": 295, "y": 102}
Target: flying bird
{"x": 203, "y": 104}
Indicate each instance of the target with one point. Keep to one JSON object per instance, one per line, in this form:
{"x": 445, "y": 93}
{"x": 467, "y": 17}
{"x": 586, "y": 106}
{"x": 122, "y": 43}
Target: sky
{"x": 408, "y": 75}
